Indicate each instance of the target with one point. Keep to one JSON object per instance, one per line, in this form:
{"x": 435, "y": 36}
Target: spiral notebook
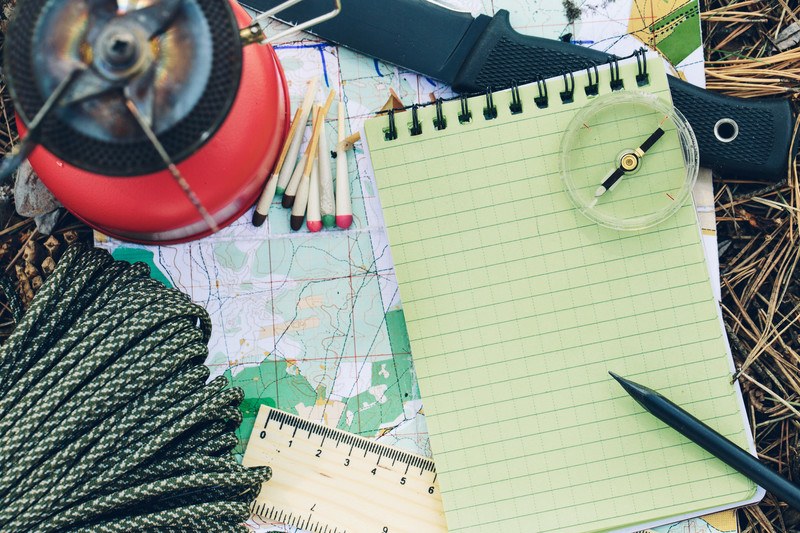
{"x": 517, "y": 307}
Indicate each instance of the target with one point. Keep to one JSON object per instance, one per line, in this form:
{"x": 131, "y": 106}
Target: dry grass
{"x": 742, "y": 55}
{"x": 759, "y": 234}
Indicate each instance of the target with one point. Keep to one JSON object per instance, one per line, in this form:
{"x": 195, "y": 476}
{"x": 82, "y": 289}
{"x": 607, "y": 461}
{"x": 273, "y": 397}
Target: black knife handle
{"x": 760, "y": 150}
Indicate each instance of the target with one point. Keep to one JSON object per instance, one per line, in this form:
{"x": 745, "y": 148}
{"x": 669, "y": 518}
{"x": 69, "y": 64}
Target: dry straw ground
{"x": 758, "y": 224}
{"x": 759, "y": 232}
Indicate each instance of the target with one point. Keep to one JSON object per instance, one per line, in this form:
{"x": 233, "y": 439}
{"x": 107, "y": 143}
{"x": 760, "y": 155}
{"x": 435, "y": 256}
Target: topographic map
{"x": 312, "y": 324}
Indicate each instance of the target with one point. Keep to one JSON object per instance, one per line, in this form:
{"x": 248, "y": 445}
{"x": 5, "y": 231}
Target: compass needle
{"x": 654, "y": 137}
{"x": 609, "y": 182}
{"x": 629, "y": 162}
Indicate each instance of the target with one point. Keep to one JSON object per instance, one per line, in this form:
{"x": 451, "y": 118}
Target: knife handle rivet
{"x": 726, "y": 130}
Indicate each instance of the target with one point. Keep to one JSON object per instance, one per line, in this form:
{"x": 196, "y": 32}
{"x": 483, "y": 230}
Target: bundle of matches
{"x": 306, "y": 184}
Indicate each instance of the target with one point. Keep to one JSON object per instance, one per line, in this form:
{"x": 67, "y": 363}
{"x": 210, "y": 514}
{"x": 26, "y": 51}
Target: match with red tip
{"x": 344, "y": 221}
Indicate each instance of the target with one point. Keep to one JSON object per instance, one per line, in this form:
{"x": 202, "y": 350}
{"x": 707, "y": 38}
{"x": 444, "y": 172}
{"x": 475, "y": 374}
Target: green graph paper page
{"x": 517, "y": 307}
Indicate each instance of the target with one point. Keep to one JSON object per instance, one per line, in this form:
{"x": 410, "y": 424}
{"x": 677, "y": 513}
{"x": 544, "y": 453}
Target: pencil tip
{"x": 258, "y": 219}
{"x": 637, "y": 391}
{"x": 622, "y": 381}
{"x": 287, "y": 201}
{"x": 296, "y": 222}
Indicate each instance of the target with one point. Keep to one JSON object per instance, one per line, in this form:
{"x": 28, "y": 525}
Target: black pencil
{"x": 712, "y": 442}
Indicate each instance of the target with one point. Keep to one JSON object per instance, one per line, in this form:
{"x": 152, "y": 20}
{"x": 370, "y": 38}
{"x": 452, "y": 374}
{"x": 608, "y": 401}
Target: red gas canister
{"x": 169, "y": 82}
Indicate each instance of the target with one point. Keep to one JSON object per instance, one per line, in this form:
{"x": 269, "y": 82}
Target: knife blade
{"x": 750, "y": 138}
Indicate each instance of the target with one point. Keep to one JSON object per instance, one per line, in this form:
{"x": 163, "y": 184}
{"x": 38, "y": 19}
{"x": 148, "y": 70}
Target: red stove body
{"x": 227, "y": 172}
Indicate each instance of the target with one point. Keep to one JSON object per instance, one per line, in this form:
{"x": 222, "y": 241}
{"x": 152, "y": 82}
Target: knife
{"x": 749, "y": 138}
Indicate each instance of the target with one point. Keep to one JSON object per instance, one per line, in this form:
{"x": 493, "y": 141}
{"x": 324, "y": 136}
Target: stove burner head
{"x": 178, "y": 61}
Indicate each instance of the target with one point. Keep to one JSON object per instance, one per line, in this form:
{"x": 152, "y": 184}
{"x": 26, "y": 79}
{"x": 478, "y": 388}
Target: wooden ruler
{"x": 330, "y": 481}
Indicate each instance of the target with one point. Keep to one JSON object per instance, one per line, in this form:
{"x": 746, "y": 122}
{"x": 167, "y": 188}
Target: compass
{"x": 629, "y": 160}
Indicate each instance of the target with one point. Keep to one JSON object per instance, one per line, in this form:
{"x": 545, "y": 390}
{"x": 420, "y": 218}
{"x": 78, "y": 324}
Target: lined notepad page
{"x": 517, "y": 307}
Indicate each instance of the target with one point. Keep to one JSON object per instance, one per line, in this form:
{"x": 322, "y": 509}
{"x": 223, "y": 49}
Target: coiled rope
{"x": 107, "y": 421}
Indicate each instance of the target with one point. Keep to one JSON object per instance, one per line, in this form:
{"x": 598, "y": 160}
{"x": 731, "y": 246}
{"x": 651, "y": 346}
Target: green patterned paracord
{"x": 107, "y": 419}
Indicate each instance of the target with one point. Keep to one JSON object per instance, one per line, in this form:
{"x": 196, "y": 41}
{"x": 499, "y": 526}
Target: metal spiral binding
{"x": 390, "y": 133}
{"x": 516, "y": 103}
{"x": 568, "y": 94}
{"x": 642, "y": 78}
{"x": 465, "y": 115}
{"x": 490, "y": 111}
{"x": 616, "y": 80}
{"x": 416, "y": 127}
{"x": 541, "y": 101}
{"x": 593, "y": 89}
{"x": 439, "y": 122}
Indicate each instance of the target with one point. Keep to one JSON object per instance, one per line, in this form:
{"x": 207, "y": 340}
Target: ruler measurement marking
{"x": 331, "y": 480}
